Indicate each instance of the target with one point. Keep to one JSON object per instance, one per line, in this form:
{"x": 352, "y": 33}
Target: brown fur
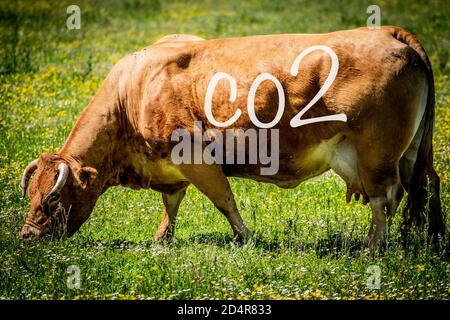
{"x": 124, "y": 133}
{"x": 424, "y": 176}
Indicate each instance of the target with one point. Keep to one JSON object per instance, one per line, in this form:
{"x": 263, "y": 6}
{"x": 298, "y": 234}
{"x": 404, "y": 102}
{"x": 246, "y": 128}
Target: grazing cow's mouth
{"x": 52, "y": 231}
{"x": 54, "y": 227}
{"x": 30, "y": 230}
{"x": 35, "y": 228}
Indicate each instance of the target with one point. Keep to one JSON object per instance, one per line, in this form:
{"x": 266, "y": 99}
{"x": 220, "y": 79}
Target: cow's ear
{"x": 85, "y": 176}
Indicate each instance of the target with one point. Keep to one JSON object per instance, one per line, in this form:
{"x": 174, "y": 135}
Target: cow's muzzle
{"x": 31, "y": 230}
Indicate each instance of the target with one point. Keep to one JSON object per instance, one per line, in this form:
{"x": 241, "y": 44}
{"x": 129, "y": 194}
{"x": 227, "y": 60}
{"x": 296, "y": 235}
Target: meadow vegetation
{"x": 307, "y": 241}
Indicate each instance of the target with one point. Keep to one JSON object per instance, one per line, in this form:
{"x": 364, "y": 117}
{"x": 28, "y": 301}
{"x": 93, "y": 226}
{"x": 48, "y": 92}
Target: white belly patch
{"x": 344, "y": 161}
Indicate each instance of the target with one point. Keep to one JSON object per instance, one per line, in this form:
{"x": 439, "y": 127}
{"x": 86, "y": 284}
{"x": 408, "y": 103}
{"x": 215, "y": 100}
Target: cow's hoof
{"x": 163, "y": 236}
{"x": 242, "y": 237}
{"x": 373, "y": 243}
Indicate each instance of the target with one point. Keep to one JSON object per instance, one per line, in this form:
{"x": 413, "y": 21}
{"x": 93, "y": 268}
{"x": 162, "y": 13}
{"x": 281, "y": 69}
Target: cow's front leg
{"x": 172, "y": 202}
{"x": 213, "y": 183}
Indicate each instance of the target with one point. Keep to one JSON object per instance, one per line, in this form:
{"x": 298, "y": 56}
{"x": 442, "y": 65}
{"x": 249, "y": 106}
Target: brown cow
{"x": 384, "y": 86}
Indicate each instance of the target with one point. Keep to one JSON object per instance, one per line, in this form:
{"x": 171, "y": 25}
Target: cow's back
{"x": 170, "y": 84}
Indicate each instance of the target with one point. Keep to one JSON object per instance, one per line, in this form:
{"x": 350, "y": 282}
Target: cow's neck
{"x": 94, "y": 138}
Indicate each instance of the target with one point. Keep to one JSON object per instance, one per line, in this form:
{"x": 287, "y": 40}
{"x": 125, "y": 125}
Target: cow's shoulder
{"x": 172, "y": 50}
{"x": 160, "y": 52}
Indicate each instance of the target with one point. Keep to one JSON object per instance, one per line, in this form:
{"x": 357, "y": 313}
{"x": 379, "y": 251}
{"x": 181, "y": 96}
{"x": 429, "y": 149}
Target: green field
{"x": 307, "y": 241}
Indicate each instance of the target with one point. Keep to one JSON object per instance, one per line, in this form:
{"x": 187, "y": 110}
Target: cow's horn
{"x": 31, "y": 167}
{"x": 62, "y": 177}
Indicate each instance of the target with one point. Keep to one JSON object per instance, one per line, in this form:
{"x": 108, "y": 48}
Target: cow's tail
{"x": 422, "y": 183}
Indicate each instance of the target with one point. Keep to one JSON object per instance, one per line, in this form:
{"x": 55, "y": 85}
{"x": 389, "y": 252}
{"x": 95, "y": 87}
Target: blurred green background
{"x": 307, "y": 241}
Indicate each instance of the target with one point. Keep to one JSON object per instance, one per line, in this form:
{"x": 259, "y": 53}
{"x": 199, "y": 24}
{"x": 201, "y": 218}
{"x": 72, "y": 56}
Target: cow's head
{"x": 61, "y": 198}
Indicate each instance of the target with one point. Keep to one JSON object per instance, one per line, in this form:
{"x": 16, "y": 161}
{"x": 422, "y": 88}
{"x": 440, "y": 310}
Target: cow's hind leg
{"x": 382, "y": 185}
{"x": 213, "y": 183}
{"x": 172, "y": 202}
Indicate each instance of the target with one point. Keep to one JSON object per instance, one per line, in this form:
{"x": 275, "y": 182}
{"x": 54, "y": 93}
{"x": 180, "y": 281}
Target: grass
{"x": 307, "y": 241}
